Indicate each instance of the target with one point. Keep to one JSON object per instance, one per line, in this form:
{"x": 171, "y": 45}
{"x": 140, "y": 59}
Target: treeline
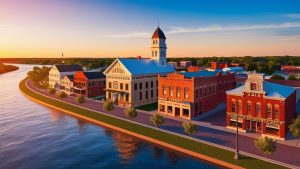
{"x": 7, "y": 68}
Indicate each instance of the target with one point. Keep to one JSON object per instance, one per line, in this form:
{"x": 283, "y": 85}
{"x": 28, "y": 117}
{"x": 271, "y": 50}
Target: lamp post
{"x": 237, "y": 155}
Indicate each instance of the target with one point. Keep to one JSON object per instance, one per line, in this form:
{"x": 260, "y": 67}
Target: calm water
{"x": 33, "y": 136}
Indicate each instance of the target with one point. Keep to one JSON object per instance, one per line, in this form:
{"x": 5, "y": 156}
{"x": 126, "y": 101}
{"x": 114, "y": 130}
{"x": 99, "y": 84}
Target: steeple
{"x": 159, "y": 47}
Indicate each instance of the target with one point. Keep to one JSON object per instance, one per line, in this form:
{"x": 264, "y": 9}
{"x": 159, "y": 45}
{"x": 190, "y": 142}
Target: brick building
{"x": 189, "y": 94}
{"x": 89, "y": 84}
{"x": 261, "y": 107}
{"x": 222, "y": 65}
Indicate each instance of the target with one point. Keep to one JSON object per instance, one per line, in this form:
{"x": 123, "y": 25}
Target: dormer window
{"x": 253, "y": 86}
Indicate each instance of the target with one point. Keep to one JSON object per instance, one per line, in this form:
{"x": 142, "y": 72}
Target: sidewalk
{"x": 207, "y": 132}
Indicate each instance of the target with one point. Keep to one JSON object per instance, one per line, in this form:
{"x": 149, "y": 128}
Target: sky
{"x": 123, "y": 28}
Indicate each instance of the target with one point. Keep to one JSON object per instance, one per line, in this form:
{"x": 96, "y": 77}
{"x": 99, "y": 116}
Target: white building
{"x": 133, "y": 82}
{"x": 67, "y": 84}
{"x": 58, "y": 71}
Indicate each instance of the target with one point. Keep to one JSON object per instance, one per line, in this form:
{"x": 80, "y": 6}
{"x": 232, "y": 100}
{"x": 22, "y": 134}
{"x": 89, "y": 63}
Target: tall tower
{"x": 159, "y": 47}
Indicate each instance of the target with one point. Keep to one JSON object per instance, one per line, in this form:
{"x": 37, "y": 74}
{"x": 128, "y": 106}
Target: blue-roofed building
{"x": 262, "y": 107}
{"x": 133, "y": 82}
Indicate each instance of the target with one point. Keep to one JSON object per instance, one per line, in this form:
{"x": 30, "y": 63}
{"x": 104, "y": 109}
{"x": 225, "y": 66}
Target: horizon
{"x": 111, "y": 29}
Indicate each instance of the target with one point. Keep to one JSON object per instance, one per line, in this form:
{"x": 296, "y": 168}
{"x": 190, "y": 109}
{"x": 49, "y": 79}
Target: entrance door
{"x": 253, "y": 126}
{"x": 177, "y": 111}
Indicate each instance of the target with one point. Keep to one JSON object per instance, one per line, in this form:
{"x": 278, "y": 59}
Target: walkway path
{"x": 286, "y": 154}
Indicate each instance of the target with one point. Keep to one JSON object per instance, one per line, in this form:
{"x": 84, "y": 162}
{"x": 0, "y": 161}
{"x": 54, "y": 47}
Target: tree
{"x": 266, "y": 145}
{"x": 131, "y": 113}
{"x": 108, "y": 105}
{"x": 189, "y": 127}
{"x": 62, "y": 94}
{"x": 277, "y": 77}
{"x": 292, "y": 77}
{"x": 295, "y": 128}
{"x": 157, "y": 119}
{"x": 80, "y": 99}
{"x": 51, "y": 91}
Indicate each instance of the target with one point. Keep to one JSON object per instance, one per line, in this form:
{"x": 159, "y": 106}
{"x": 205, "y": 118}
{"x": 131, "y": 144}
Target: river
{"x": 33, "y": 136}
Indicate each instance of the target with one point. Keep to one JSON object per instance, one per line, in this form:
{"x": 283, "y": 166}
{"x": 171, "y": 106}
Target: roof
{"x": 71, "y": 77}
{"x": 94, "y": 75}
{"x": 202, "y": 73}
{"x": 234, "y": 69}
{"x": 159, "y": 34}
{"x": 68, "y": 68}
{"x": 145, "y": 66}
{"x": 272, "y": 90}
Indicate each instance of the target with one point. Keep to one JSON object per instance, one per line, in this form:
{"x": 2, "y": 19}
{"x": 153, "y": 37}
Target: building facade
{"x": 59, "y": 71}
{"x": 190, "y": 94}
{"x": 261, "y": 107}
{"x": 67, "y": 84}
{"x": 291, "y": 70}
{"x": 133, "y": 82}
{"x": 89, "y": 84}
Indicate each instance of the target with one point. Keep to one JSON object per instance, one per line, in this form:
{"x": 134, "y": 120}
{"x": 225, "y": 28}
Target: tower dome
{"x": 159, "y": 34}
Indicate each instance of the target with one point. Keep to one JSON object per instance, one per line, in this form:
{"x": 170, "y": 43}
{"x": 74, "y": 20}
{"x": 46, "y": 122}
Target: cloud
{"x": 223, "y": 28}
{"x": 294, "y": 16}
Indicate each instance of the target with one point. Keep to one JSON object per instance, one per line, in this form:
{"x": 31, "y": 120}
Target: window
{"x": 164, "y": 90}
{"x": 269, "y": 111}
{"x": 135, "y": 86}
{"x": 186, "y": 112}
{"x": 151, "y": 84}
{"x": 209, "y": 90}
{"x": 171, "y": 91}
{"x": 186, "y": 93}
{"x": 177, "y": 91}
{"x": 233, "y": 106}
{"x": 141, "y": 86}
{"x": 151, "y": 93}
{"x": 109, "y": 84}
{"x": 276, "y": 111}
{"x": 126, "y": 86}
{"x": 146, "y": 85}
{"x": 146, "y": 94}
{"x": 249, "y": 108}
{"x": 155, "y": 53}
{"x": 258, "y": 109}
{"x": 141, "y": 96}
{"x": 127, "y": 97}
{"x": 253, "y": 86}
{"x": 239, "y": 107}
{"x": 121, "y": 86}
{"x": 200, "y": 92}
{"x": 196, "y": 93}
{"x": 162, "y": 108}
{"x": 170, "y": 109}
{"x": 204, "y": 91}
{"x": 115, "y": 85}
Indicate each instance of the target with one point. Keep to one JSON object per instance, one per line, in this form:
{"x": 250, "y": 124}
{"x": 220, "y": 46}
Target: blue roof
{"x": 272, "y": 90}
{"x": 202, "y": 73}
{"x": 145, "y": 66}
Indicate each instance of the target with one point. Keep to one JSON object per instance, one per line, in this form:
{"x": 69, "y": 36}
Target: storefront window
{"x": 276, "y": 111}
{"x": 170, "y": 109}
{"x": 269, "y": 111}
{"x": 162, "y": 108}
{"x": 249, "y": 108}
{"x": 186, "y": 112}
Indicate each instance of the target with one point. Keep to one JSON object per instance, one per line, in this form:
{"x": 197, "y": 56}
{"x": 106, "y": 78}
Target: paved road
{"x": 284, "y": 153}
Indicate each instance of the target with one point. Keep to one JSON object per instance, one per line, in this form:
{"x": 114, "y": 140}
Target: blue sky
{"x": 112, "y": 28}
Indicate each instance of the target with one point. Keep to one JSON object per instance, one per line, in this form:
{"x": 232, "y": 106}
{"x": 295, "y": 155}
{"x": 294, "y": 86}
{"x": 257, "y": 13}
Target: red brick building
{"x": 261, "y": 107}
{"x": 189, "y": 94}
{"x": 222, "y": 65}
{"x": 89, "y": 84}
{"x": 194, "y": 69}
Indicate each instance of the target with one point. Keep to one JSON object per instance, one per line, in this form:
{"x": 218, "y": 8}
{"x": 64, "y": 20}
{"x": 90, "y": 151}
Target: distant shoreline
{"x": 7, "y": 68}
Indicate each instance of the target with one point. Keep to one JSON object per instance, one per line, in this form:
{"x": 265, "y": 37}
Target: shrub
{"x": 131, "y": 113}
{"x": 266, "y": 145}
{"x": 157, "y": 119}
{"x": 189, "y": 127}
{"x": 51, "y": 91}
{"x": 62, "y": 94}
{"x": 108, "y": 105}
{"x": 80, "y": 99}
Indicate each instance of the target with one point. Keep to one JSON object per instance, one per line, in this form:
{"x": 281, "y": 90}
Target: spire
{"x": 62, "y": 58}
{"x": 158, "y": 23}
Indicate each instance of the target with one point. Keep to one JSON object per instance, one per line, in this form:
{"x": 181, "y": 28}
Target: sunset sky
{"x": 123, "y": 28}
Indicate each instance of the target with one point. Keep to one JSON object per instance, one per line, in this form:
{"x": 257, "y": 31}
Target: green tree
{"x": 157, "y": 120}
{"x": 277, "y": 77}
{"x": 131, "y": 112}
{"x": 295, "y": 128}
{"x": 51, "y": 91}
{"x": 189, "y": 127}
{"x": 80, "y": 99}
{"x": 62, "y": 94}
{"x": 292, "y": 77}
{"x": 108, "y": 105}
{"x": 266, "y": 145}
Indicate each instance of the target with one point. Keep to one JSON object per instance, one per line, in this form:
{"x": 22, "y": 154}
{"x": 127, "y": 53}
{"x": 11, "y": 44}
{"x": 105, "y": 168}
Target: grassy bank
{"x": 7, "y": 68}
{"x": 188, "y": 144}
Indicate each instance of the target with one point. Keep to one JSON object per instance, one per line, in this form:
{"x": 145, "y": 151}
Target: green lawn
{"x": 224, "y": 155}
{"x": 148, "y": 107}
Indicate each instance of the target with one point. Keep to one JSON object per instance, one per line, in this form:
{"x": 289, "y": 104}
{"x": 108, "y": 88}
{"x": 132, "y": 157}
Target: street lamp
{"x": 237, "y": 155}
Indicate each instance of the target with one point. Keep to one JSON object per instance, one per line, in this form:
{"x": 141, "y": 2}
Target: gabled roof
{"x": 159, "y": 34}
{"x": 93, "y": 75}
{"x": 70, "y": 77}
{"x": 272, "y": 90}
{"x": 145, "y": 66}
{"x": 68, "y": 68}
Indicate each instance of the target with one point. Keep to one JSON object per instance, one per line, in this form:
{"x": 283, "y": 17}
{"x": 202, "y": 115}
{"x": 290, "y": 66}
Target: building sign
{"x": 174, "y": 100}
{"x": 233, "y": 118}
{"x": 271, "y": 124}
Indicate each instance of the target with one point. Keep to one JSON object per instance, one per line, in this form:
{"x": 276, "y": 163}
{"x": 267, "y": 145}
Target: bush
{"x": 189, "y": 127}
{"x": 292, "y": 77}
{"x": 266, "y": 145}
{"x": 51, "y": 91}
{"x": 62, "y": 94}
{"x": 131, "y": 113}
{"x": 108, "y": 105}
{"x": 157, "y": 119}
{"x": 80, "y": 99}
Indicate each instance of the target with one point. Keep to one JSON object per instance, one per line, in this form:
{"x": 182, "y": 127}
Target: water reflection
{"x": 56, "y": 116}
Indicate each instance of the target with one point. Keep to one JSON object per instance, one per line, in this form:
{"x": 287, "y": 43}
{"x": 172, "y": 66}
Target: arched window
{"x": 171, "y": 91}
{"x": 233, "y": 106}
{"x": 155, "y": 53}
{"x": 276, "y": 111}
{"x": 249, "y": 107}
{"x": 269, "y": 111}
{"x": 258, "y": 109}
{"x": 164, "y": 90}
{"x": 186, "y": 93}
{"x": 239, "y": 107}
{"x": 253, "y": 86}
{"x": 177, "y": 91}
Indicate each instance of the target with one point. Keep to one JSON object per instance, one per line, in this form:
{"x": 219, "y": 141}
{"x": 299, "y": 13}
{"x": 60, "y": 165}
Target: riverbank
{"x": 7, "y": 68}
{"x": 162, "y": 137}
